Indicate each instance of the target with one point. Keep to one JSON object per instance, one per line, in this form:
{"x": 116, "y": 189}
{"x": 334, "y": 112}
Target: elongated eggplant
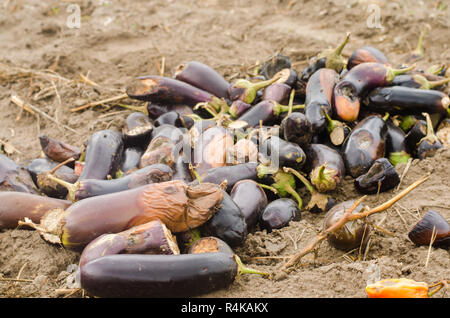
{"x": 419, "y": 81}
{"x": 160, "y": 150}
{"x": 179, "y": 206}
{"x": 278, "y": 92}
{"x": 319, "y": 94}
{"x": 228, "y": 223}
{"x": 380, "y": 177}
{"x": 209, "y": 244}
{"x": 204, "y": 77}
{"x": 329, "y": 58}
{"x": 357, "y": 83}
{"x": 252, "y": 208}
{"x": 169, "y": 91}
{"x": 183, "y": 275}
{"x": 279, "y": 213}
{"x": 57, "y": 150}
{"x": 211, "y": 148}
{"x": 246, "y": 91}
{"x": 14, "y": 177}
{"x": 364, "y": 145}
{"x": 296, "y": 128}
{"x": 353, "y": 234}
{"x": 398, "y": 99}
{"x": 138, "y": 130}
{"x": 396, "y": 150}
{"x": 103, "y": 155}
{"x": 148, "y": 238}
{"x": 325, "y": 166}
{"x": 16, "y": 206}
{"x": 231, "y": 174}
{"x": 284, "y": 153}
{"x": 274, "y": 65}
{"x": 93, "y": 187}
{"x": 428, "y": 145}
{"x": 366, "y": 54}
{"x": 266, "y": 112}
{"x": 130, "y": 159}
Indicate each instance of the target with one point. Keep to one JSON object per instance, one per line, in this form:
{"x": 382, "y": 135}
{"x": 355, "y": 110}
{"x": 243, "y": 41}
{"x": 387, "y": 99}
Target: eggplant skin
{"x": 140, "y": 275}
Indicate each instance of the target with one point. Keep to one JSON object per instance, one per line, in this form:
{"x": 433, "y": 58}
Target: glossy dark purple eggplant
{"x": 366, "y": 54}
{"x": 266, "y": 112}
{"x": 130, "y": 159}
{"x": 364, "y": 145}
{"x": 319, "y": 94}
{"x": 103, "y": 155}
{"x": 93, "y": 187}
{"x": 153, "y": 110}
{"x": 251, "y": 199}
{"x": 228, "y": 223}
{"x": 406, "y": 100}
{"x": 357, "y": 83}
{"x": 14, "y": 177}
{"x": 325, "y": 166}
{"x": 381, "y": 177}
{"x": 204, "y": 77}
{"x": 396, "y": 150}
{"x": 284, "y": 153}
{"x": 172, "y": 118}
{"x": 278, "y": 92}
{"x": 138, "y": 130}
{"x": 279, "y": 213}
{"x": 57, "y": 150}
{"x": 296, "y": 128}
{"x": 148, "y": 238}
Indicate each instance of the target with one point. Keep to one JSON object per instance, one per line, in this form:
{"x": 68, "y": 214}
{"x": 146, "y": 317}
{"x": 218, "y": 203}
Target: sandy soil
{"x": 119, "y": 40}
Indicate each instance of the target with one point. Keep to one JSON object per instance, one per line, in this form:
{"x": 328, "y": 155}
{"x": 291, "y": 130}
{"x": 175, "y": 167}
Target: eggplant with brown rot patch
{"x": 210, "y": 244}
{"x": 160, "y": 150}
{"x": 137, "y": 130}
{"x": 14, "y": 177}
{"x": 381, "y": 177}
{"x": 364, "y": 145}
{"x": 57, "y": 150}
{"x": 286, "y": 154}
{"x": 357, "y": 83}
{"x": 367, "y": 54}
{"x": 296, "y": 128}
{"x": 148, "y": 238}
{"x": 179, "y": 206}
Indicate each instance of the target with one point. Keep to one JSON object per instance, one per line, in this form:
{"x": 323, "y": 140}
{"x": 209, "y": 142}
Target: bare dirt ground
{"x": 119, "y": 40}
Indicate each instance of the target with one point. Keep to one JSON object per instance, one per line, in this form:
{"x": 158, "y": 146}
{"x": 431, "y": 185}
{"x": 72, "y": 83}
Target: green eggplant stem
{"x": 195, "y": 173}
{"x": 60, "y": 165}
{"x": 305, "y": 181}
{"x": 71, "y": 188}
{"x": 338, "y": 50}
{"x": 246, "y": 270}
{"x": 283, "y": 108}
{"x": 321, "y": 172}
{"x": 386, "y": 116}
{"x": 407, "y": 122}
{"x": 260, "y": 85}
{"x": 141, "y": 109}
{"x": 294, "y": 193}
{"x": 419, "y": 48}
{"x": 291, "y": 101}
{"x": 433, "y": 84}
{"x": 265, "y": 186}
{"x": 431, "y": 137}
{"x": 391, "y": 73}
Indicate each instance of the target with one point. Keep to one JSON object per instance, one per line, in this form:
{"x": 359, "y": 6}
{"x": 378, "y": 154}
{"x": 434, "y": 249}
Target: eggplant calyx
{"x": 285, "y": 185}
{"x": 242, "y": 269}
{"x": 264, "y": 170}
{"x": 72, "y": 188}
{"x": 278, "y": 108}
{"x": 399, "y": 157}
{"x": 391, "y": 73}
{"x": 323, "y": 178}
{"x": 334, "y": 59}
{"x": 250, "y": 89}
{"x": 430, "y": 136}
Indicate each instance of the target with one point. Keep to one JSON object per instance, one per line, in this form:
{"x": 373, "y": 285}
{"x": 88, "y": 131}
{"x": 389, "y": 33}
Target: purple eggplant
{"x": 396, "y": 150}
{"x": 153, "y": 110}
{"x": 296, "y": 128}
{"x": 287, "y": 76}
{"x": 103, "y": 155}
{"x": 204, "y": 77}
{"x": 279, "y": 213}
{"x": 130, "y": 159}
{"x": 209, "y": 244}
{"x": 357, "y": 83}
{"x": 57, "y": 150}
{"x": 366, "y": 54}
{"x": 93, "y": 187}
{"x": 278, "y": 92}
{"x": 380, "y": 177}
{"x": 319, "y": 93}
{"x": 364, "y": 145}
{"x": 138, "y": 130}
{"x": 251, "y": 209}
{"x": 238, "y": 108}
{"x": 415, "y": 134}
{"x": 160, "y": 150}
{"x": 14, "y": 177}
{"x": 285, "y": 153}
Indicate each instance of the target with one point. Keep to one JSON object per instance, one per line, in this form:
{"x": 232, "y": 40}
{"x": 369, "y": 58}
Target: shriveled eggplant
{"x": 14, "y": 177}
{"x": 160, "y": 150}
{"x": 380, "y": 177}
{"x": 432, "y": 223}
{"x": 57, "y": 150}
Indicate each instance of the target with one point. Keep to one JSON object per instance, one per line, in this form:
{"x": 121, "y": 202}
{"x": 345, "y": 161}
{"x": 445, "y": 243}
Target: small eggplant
{"x": 168, "y": 91}
{"x": 283, "y": 153}
{"x": 241, "y": 193}
{"x": 274, "y": 65}
{"x": 396, "y": 150}
{"x": 278, "y": 92}
{"x": 138, "y": 130}
{"x": 103, "y": 155}
{"x": 432, "y": 223}
{"x": 319, "y": 94}
{"x": 266, "y": 112}
{"x": 246, "y": 91}
{"x": 93, "y": 187}
{"x": 296, "y": 128}
{"x": 204, "y": 77}
{"x": 380, "y": 177}
{"x": 16, "y": 206}
{"x": 14, "y": 177}
{"x": 415, "y": 134}
{"x": 398, "y": 99}
{"x": 238, "y": 108}
{"x": 419, "y": 81}
{"x": 330, "y": 58}
{"x": 130, "y": 159}
{"x": 428, "y": 145}
{"x": 57, "y": 150}
{"x": 178, "y": 206}
{"x": 230, "y": 174}
{"x": 357, "y": 83}
{"x": 210, "y": 244}
{"x": 353, "y": 234}
{"x": 211, "y": 148}
{"x": 184, "y": 275}
{"x": 160, "y": 150}
{"x": 228, "y": 223}
{"x": 366, "y": 54}
{"x": 149, "y": 238}
{"x": 279, "y": 213}
{"x": 325, "y": 166}
{"x": 364, "y": 145}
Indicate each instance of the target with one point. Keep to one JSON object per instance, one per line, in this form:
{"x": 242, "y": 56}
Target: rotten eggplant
{"x": 57, "y": 150}
{"x": 137, "y": 130}
{"x": 380, "y": 177}
{"x": 14, "y": 177}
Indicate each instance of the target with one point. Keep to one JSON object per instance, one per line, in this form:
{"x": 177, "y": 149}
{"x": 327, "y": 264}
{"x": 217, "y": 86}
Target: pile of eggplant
{"x": 157, "y": 209}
